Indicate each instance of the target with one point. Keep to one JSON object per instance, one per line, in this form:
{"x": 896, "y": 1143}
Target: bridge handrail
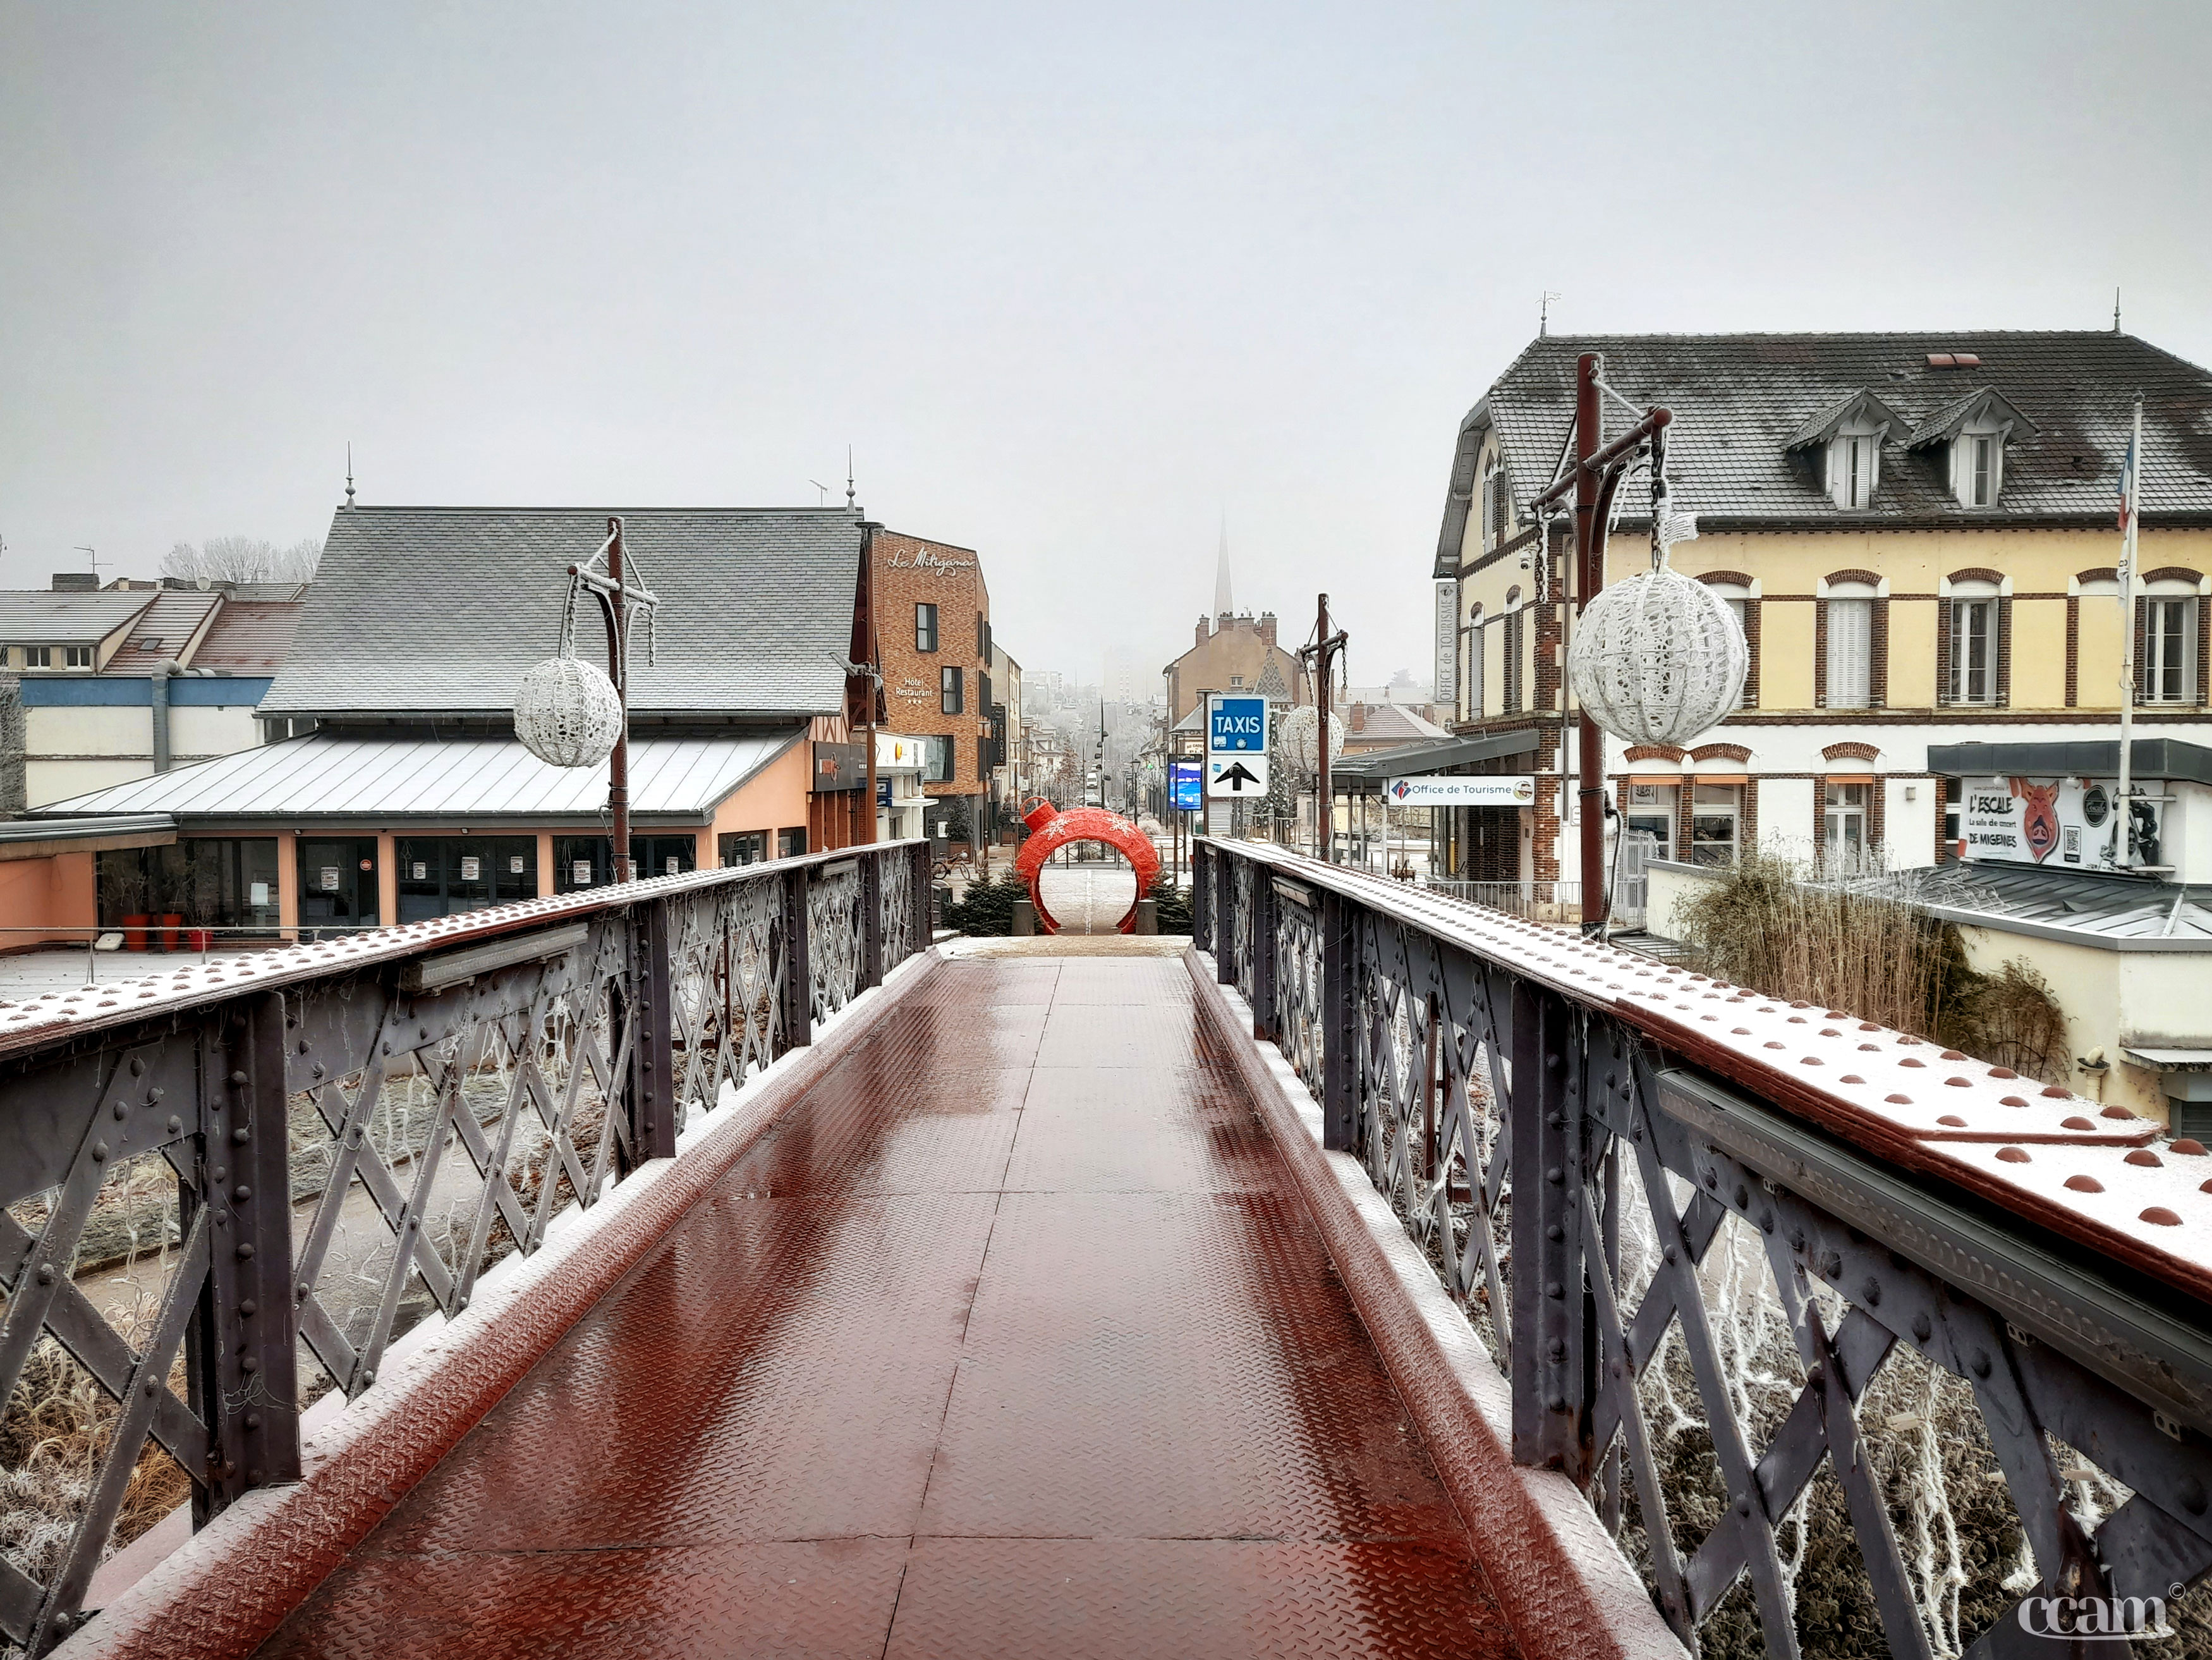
{"x": 1520, "y": 1093}
{"x": 451, "y": 1086}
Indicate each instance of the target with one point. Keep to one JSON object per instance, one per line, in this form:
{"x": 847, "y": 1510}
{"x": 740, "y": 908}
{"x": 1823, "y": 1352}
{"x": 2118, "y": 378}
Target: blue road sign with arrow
{"x": 1236, "y": 726}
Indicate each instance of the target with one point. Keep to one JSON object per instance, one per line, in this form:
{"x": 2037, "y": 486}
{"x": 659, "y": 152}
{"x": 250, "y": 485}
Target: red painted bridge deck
{"x": 1010, "y": 1338}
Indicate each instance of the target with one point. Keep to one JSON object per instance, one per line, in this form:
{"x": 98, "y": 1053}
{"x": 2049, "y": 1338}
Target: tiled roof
{"x": 1391, "y": 723}
{"x": 440, "y": 610}
{"x": 163, "y": 632}
{"x": 250, "y": 636}
{"x": 71, "y": 617}
{"x": 1738, "y": 399}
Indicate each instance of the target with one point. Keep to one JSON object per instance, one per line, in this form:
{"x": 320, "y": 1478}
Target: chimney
{"x": 74, "y": 580}
{"x": 1268, "y": 627}
{"x": 1360, "y": 717}
{"x": 1201, "y": 630}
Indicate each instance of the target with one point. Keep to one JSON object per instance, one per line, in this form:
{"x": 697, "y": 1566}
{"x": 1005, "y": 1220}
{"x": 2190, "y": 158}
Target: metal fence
{"x": 1626, "y": 1172}
{"x": 294, "y": 1155}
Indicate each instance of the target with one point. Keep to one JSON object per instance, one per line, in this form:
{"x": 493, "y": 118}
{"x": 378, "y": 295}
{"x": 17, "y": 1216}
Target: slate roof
{"x": 78, "y": 617}
{"x": 1738, "y": 399}
{"x": 330, "y": 775}
{"x": 440, "y": 611}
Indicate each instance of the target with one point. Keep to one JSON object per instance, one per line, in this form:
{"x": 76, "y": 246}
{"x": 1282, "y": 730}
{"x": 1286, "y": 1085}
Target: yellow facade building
{"x": 1920, "y": 535}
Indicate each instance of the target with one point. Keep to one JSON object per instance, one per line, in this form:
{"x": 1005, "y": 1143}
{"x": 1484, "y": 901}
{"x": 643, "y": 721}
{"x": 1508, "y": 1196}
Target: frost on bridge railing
{"x": 1859, "y": 1346}
{"x": 229, "y": 1190}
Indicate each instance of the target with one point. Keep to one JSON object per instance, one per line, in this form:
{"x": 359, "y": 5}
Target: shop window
{"x": 790, "y": 843}
{"x": 223, "y": 883}
{"x": 742, "y": 847}
{"x": 937, "y": 760}
{"x": 588, "y": 861}
{"x": 1715, "y": 811}
{"x": 338, "y": 881}
{"x": 446, "y": 876}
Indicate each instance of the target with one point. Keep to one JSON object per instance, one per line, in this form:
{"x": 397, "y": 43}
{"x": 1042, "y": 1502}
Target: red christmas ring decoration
{"x": 1051, "y": 830}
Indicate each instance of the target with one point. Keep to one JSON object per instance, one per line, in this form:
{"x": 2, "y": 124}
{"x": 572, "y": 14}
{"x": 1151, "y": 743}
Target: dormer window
{"x": 1980, "y": 461}
{"x": 1854, "y": 465}
{"x": 1974, "y": 428}
{"x": 1845, "y": 442}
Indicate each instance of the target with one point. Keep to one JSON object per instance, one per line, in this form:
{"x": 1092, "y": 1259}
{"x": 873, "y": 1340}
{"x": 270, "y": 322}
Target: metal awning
{"x": 40, "y": 838}
{"x": 2169, "y": 1060}
{"x": 326, "y": 776}
{"x": 1378, "y": 766}
{"x": 2149, "y": 757}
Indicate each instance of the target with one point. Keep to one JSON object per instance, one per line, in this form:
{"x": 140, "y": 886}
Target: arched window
{"x": 1515, "y": 617}
{"x": 1847, "y": 651}
{"x": 2167, "y": 653}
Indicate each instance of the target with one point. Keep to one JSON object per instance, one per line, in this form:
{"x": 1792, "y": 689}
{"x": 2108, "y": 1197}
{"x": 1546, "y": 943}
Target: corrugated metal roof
{"x": 60, "y": 830}
{"x": 250, "y": 636}
{"x": 2097, "y": 909}
{"x": 167, "y": 626}
{"x": 440, "y": 610}
{"x": 329, "y": 775}
{"x": 37, "y": 615}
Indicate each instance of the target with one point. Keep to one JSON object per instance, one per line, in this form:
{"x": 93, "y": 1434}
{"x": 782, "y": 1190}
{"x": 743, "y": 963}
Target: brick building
{"x": 932, "y": 618}
{"x": 1234, "y": 653}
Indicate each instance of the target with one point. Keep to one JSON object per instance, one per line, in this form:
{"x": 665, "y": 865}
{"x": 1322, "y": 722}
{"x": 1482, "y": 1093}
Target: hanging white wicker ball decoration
{"x": 566, "y": 713}
{"x": 1657, "y": 659}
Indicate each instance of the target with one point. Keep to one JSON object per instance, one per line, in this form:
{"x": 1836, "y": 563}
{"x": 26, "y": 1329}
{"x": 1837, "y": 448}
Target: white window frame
{"x": 2158, "y": 668}
{"x": 1967, "y": 602}
{"x": 1849, "y": 679}
{"x": 77, "y": 657}
{"x": 1839, "y": 816}
{"x": 1700, "y": 848}
{"x": 1855, "y": 467}
{"x": 1971, "y": 484}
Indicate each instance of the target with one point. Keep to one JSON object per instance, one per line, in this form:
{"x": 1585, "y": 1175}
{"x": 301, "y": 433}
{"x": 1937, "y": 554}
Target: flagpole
{"x": 2131, "y": 498}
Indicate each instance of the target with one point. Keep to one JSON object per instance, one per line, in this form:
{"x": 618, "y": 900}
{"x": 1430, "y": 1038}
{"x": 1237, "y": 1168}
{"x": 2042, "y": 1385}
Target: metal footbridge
{"x": 708, "y": 1266}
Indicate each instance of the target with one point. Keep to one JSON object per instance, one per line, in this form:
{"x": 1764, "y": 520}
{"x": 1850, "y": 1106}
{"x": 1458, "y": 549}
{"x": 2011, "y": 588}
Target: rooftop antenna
{"x": 849, "y": 492}
{"x": 97, "y": 562}
{"x": 348, "y": 472}
{"x": 1544, "y": 313}
{"x": 2116, "y": 309}
{"x": 824, "y": 489}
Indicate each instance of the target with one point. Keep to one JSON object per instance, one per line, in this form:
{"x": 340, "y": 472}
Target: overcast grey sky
{"x": 1072, "y": 280}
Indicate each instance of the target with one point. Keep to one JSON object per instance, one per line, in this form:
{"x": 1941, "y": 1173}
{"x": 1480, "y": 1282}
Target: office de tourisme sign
{"x": 1437, "y": 790}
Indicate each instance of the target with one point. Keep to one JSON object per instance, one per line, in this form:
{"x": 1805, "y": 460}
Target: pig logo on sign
{"x": 2039, "y": 816}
